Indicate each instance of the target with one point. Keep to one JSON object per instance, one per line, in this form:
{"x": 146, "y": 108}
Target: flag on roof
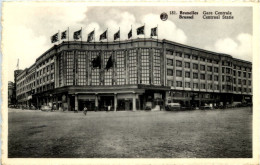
{"x": 154, "y": 31}
{"x": 64, "y": 35}
{"x": 55, "y": 38}
{"x": 103, "y": 36}
{"x": 117, "y": 35}
{"x": 77, "y": 35}
{"x": 130, "y": 34}
{"x": 91, "y": 36}
{"x": 140, "y": 30}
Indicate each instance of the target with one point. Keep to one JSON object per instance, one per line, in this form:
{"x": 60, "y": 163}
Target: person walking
{"x": 85, "y": 110}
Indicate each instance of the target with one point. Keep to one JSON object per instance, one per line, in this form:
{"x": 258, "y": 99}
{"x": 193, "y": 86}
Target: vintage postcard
{"x": 130, "y": 83}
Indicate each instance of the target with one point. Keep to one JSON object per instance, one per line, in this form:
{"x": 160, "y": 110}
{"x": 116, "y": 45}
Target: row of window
{"x": 194, "y": 66}
{"x": 195, "y": 75}
{"x": 45, "y": 87}
{"x": 45, "y": 62}
{"x": 189, "y": 56}
{"x": 45, "y": 70}
{"x": 203, "y": 86}
{"x": 45, "y": 79}
{"x": 194, "y": 85}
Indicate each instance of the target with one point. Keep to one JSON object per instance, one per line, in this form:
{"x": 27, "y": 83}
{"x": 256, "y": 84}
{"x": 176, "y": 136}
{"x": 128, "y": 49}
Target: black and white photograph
{"x": 115, "y": 80}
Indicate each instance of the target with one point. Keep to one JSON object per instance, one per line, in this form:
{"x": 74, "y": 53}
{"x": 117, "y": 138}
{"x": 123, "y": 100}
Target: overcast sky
{"x": 27, "y": 27}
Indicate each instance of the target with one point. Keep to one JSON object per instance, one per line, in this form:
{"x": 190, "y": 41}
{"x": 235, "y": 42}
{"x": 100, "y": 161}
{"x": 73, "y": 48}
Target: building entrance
{"x": 90, "y": 104}
{"x": 106, "y": 101}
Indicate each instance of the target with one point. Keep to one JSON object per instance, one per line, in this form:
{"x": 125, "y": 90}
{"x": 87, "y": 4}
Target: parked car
{"x": 206, "y": 107}
{"x": 45, "y": 108}
{"x": 173, "y": 107}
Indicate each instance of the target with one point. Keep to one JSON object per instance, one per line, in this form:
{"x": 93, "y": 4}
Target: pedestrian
{"x": 85, "y": 110}
{"x": 109, "y": 107}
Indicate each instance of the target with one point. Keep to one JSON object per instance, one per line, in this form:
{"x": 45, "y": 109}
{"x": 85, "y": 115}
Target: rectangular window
{"x": 107, "y": 72}
{"x": 187, "y": 65}
{"x": 210, "y": 86}
{"x": 223, "y": 78}
{"x": 239, "y": 73}
{"x": 202, "y": 76}
{"x": 234, "y": 73}
{"x": 209, "y": 60}
{"x": 202, "y": 59}
{"x": 195, "y": 57}
{"x": 195, "y": 75}
{"x": 215, "y": 78}
{"x": 244, "y": 82}
{"x": 228, "y": 79}
{"x": 239, "y": 81}
{"x": 169, "y": 62}
{"x": 170, "y": 52}
{"x": 186, "y": 56}
{"x": 169, "y": 83}
{"x": 209, "y": 77}
{"x": 244, "y": 74}
{"x": 178, "y": 54}
{"x": 195, "y": 85}
{"x": 249, "y": 82}
{"x": 209, "y": 68}
{"x": 234, "y": 80}
{"x": 156, "y": 67}
{"x": 178, "y": 84}
{"x": 94, "y": 71}
{"x": 245, "y": 90}
{"x": 120, "y": 63}
{"x": 82, "y": 70}
{"x": 187, "y": 84}
{"x": 178, "y": 63}
{"x": 249, "y": 75}
{"x": 145, "y": 77}
{"x": 132, "y": 67}
{"x": 178, "y": 73}
{"x": 169, "y": 72}
{"x": 202, "y": 67}
{"x": 203, "y": 86}
{"x": 195, "y": 66}
{"x": 187, "y": 74}
{"x": 69, "y": 68}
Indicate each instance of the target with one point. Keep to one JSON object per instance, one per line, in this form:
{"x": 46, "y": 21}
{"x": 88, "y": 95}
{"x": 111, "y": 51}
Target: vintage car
{"x": 173, "y": 107}
{"x": 45, "y": 108}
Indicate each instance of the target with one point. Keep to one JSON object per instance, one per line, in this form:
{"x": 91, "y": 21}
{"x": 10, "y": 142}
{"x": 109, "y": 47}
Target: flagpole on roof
{"x": 68, "y": 37}
{"x": 107, "y": 37}
{"x": 144, "y": 33}
{"x": 58, "y": 37}
{"x": 132, "y": 36}
{"x": 119, "y": 37}
{"x": 81, "y": 37}
{"x": 94, "y": 40}
{"x": 157, "y": 34}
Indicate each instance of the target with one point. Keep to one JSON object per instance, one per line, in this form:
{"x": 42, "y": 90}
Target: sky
{"x": 27, "y": 27}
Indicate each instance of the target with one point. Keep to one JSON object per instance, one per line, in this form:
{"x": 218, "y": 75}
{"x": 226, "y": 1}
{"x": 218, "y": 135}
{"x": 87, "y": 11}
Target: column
{"x": 96, "y": 101}
{"x": 68, "y": 103}
{"x": 134, "y": 102}
{"x": 76, "y": 102}
{"x": 115, "y": 102}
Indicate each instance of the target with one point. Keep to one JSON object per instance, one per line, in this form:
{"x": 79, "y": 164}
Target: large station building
{"x": 142, "y": 72}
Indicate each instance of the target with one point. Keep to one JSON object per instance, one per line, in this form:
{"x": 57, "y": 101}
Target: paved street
{"x": 126, "y": 134}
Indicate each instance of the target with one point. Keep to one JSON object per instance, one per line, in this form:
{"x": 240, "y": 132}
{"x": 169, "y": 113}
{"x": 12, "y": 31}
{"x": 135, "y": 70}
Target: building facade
{"x": 11, "y": 94}
{"x": 144, "y": 73}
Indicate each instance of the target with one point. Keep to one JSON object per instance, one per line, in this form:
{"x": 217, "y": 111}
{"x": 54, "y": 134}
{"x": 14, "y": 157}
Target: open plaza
{"x": 219, "y": 133}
